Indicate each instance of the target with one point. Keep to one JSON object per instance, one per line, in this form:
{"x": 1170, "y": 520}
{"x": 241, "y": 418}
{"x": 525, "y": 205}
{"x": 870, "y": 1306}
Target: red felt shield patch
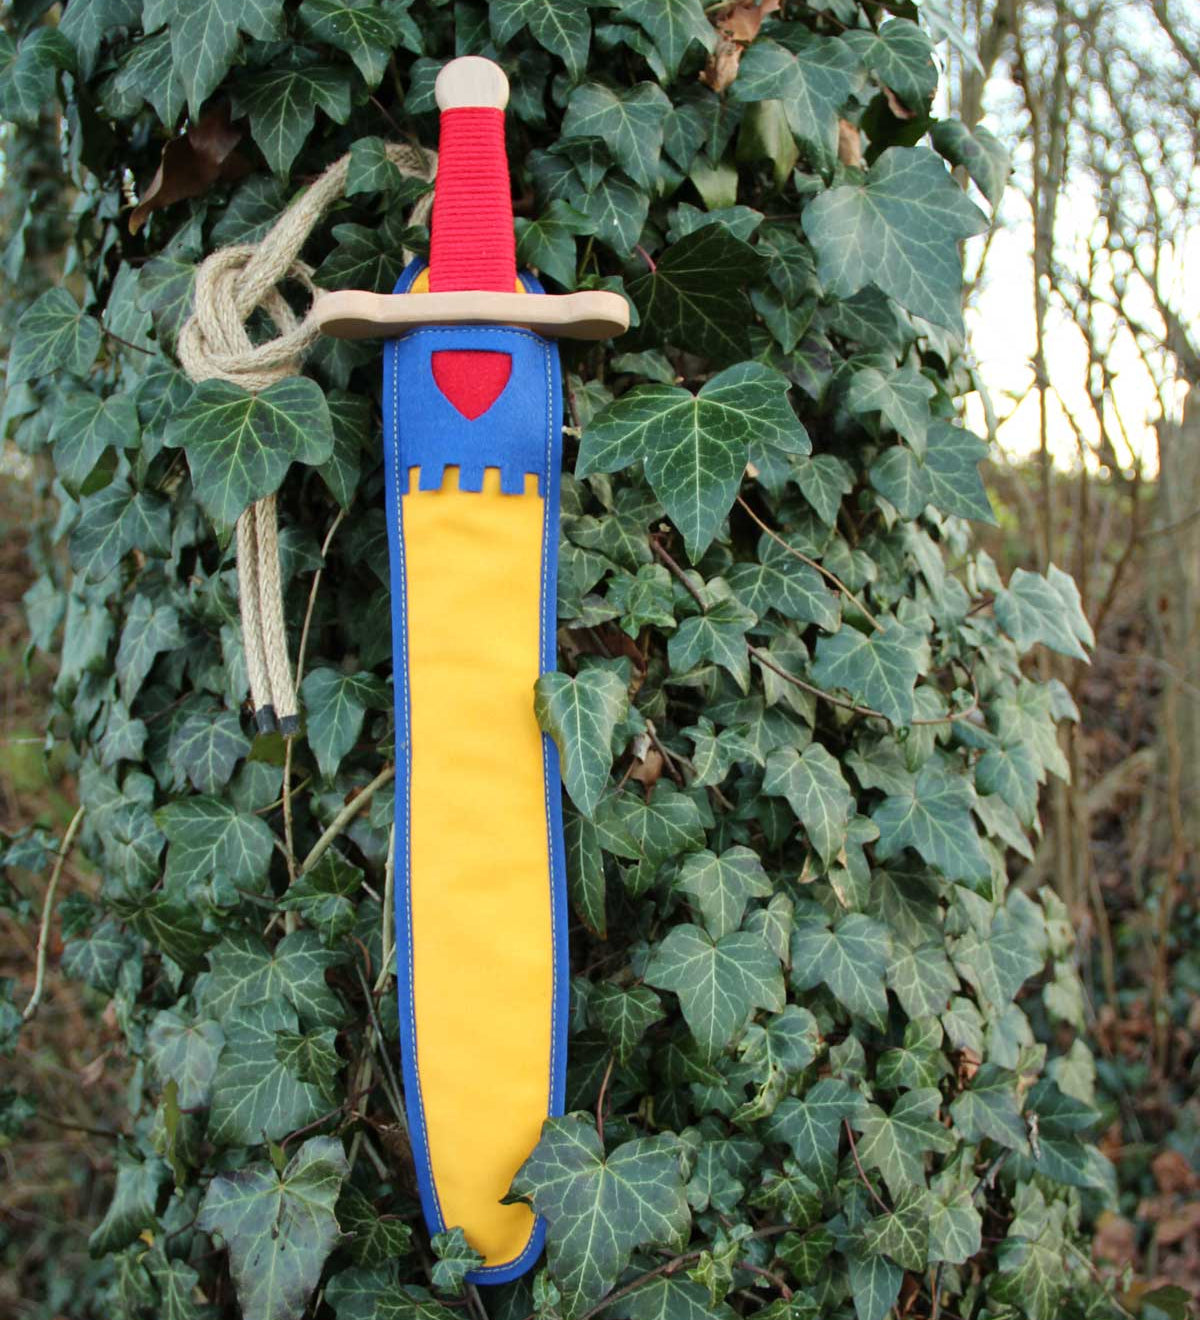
{"x": 473, "y": 380}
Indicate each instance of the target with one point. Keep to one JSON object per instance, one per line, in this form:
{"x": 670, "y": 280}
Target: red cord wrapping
{"x": 472, "y": 244}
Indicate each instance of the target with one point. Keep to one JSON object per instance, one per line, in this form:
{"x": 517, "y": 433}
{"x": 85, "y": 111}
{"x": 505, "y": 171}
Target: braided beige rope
{"x": 214, "y": 343}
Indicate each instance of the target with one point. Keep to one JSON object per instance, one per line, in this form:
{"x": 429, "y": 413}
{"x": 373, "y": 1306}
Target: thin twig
{"x": 388, "y": 928}
{"x": 773, "y": 1279}
{"x": 862, "y": 1173}
{"x": 764, "y": 659}
{"x": 391, "y": 1082}
{"x": 346, "y": 815}
{"x": 812, "y": 563}
{"x": 600, "y": 1099}
{"x": 671, "y": 563}
{"x": 137, "y": 348}
{"x": 39, "y": 982}
{"x": 288, "y": 830}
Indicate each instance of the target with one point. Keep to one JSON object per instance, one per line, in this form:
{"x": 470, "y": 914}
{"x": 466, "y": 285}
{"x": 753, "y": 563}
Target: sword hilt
{"x": 471, "y": 234}
{"x": 472, "y": 263}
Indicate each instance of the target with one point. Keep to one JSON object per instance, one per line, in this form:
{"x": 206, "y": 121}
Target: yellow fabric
{"x": 481, "y": 901}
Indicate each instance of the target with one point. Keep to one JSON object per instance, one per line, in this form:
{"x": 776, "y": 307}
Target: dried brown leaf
{"x": 192, "y": 163}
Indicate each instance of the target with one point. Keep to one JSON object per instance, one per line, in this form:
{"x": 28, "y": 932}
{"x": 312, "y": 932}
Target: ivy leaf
{"x": 665, "y": 827}
{"x": 599, "y": 1208}
{"x": 367, "y": 33}
{"x": 1011, "y": 770}
{"x": 719, "y": 635}
{"x": 695, "y": 297}
{"x": 901, "y": 398}
{"x": 1033, "y": 608}
{"x": 185, "y": 1052}
{"x": 86, "y": 25}
{"x": 322, "y": 896}
{"x": 239, "y": 445}
{"x": 365, "y": 258}
{"x": 581, "y": 715}
{"x": 630, "y": 123}
{"x": 694, "y": 446}
{"x": 813, "y": 784}
{"x": 282, "y": 102}
{"x": 719, "y": 982}
{"x": 244, "y": 972}
{"x": 624, "y": 1015}
{"x": 897, "y": 1143}
{"x": 374, "y": 1294}
{"x": 813, "y": 77}
{"x": 374, "y": 1239}
{"x": 204, "y": 37}
{"x": 206, "y": 748}
{"x": 278, "y": 1228}
{"x": 645, "y": 599}
{"x": 29, "y": 73}
{"x": 900, "y": 476}
{"x": 922, "y": 979}
{"x": 311, "y": 1057}
{"x": 1031, "y": 1268}
{"x": 254, "y": 1096}
{"x": 208, "y": 835}
{"x": 900, "y": 56}
{"x": 131, "y": 1210}
{"x": 456, "y": 1258}
{"x": 669, "y": 1297}
{"x": 146, "y": 74}
{"x": 104, "y": 533}
{"x": 673, "y": 26}
{"x": 52, "y": 334}
{"x": 900, "y": 231}
{"x": 722, "y": 885}
{"x": 990, "y": 1108}
{"x": 548, "y": 243}
{"x": 177, "y": 1283}
{"x": 782, "y": 582}
{"x": 952, "y": 463}
{"x": 999, "y": 961}
{"x": 615, "y": 210}
{"x": 823, "y": 481}
{"x": 851, "y": 958}
{"x": 812, "y": 1127}
{"x": 372, "y": 171}
{"x": 904, "y": 1234}
{"x": 955, "y": 1228}
{"x": 878, "y": 668}
{"x": 984, "y": 157}
{"x": 874, "y": 1284}
{"x": 585, "y": 873}
{"x": 564, "y": 29}
{"x": 85, "y": 426}
{"x": 335, "y": 704}
{"x": 933, "y": 817}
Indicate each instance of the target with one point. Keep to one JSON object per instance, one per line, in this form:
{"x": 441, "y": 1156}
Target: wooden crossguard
{"x": 472, "y": 237}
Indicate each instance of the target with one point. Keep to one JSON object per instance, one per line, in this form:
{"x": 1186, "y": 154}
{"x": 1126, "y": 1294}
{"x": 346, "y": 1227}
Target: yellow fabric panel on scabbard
{"x": 482, "y": 946}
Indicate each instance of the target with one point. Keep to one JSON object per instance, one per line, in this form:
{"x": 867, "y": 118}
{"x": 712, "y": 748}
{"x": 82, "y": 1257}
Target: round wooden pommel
{"x": 471, "y": 80}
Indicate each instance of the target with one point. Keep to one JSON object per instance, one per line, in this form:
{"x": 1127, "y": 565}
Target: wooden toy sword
{"x": 472, "y": 419}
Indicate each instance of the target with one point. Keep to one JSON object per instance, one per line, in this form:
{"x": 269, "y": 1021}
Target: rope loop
{"x": 214, "y": 343}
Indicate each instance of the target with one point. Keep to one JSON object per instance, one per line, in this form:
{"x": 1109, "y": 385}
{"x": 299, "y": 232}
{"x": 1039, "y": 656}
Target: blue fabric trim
{"x": 519, "y": 434}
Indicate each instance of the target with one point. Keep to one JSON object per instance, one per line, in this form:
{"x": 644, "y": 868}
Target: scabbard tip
{"x": 264, "y": 719}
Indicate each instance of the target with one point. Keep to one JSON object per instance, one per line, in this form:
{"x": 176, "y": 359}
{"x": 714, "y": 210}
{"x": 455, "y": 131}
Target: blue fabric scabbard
{"x": 480, "y": 891}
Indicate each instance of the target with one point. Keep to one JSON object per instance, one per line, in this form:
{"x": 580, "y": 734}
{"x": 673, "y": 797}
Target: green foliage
{"x": 799, "y": 749}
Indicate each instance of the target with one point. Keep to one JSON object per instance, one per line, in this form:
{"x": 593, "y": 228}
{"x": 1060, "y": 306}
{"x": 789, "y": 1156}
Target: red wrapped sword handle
{"x": 471, "y": 241}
